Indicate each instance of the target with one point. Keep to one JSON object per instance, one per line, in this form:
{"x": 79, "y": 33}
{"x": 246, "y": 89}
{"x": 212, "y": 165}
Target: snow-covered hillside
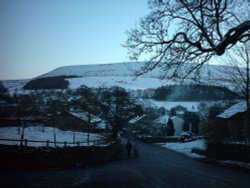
{"x": 122, "y": 75}
{"x": 117, "y": 69}
{"x": 15, "y": 86}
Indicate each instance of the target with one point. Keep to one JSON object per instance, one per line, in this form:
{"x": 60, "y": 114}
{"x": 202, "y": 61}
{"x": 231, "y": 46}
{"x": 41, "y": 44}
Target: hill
{"x": 121, "y": 74}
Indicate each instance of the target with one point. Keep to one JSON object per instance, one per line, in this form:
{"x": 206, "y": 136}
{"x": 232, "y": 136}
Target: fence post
{"x": 21, "y": 140}
{"x": 74, "y": 137}
{"x": 22, "y": 136}
{"x": 65, "y": 144}
{"x": 47, "y": 143}
{"x": 78, "y": 144}
{"x": 25, "y": 142}
{"x": 55, "y": 136}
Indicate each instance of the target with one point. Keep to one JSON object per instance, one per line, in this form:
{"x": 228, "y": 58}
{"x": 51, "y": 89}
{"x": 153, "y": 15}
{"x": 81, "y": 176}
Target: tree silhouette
{"x": 191, "y": 119}
{"x": 189, "y": 32}
{"x": 117, "y": 108}
{"x": 237, "y": 72}
{"x": 170, "y": 127}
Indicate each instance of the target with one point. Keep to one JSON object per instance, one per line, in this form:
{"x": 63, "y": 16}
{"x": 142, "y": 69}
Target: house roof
{"x": 74, "y": 98}
{"x": 84, "y": 116}
{"x": 162, "y": 119}
{"x": 233, "y": 110}
{"x": 179, "y": 108}
{"x": 136, "y": 119}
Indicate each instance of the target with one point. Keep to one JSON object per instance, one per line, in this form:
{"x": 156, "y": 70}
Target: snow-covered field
{"x": 15, "y": 86}
{"x": 129, "y": 82}
{"x": 186, "y": 148}
{"x": 35, "y": 133}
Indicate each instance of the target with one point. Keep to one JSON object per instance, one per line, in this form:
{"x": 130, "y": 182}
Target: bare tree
{"x": 189, "y": 32}
{"x": 117, "y": 108}
{"x": 237, "y": 72}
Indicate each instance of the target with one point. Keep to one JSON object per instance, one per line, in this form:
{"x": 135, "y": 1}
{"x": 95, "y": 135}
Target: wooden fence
{"x": 48, "y": 143}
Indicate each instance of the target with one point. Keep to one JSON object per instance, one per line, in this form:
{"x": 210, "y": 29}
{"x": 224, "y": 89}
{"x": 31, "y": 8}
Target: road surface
{"x": 157, "y": 168}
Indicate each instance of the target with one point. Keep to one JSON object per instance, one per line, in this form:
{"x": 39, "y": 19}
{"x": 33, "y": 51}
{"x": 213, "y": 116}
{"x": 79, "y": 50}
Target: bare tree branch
{"x": 181, "y": 32}
{"x": 232, "y": 36}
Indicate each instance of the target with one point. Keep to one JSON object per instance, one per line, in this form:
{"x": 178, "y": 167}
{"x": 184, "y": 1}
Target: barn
{"x": 76, "y": 121}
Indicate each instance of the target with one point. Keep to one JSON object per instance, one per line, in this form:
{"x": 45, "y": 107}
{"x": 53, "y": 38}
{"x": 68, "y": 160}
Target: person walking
{"x": 128, "y": 148}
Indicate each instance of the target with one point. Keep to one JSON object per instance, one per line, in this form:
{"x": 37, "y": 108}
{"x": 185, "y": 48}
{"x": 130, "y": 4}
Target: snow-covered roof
{"x": 74, "y": 98}
{"x": 84, "y": 116}
{"x": 162, "y": 119}
{"x": 179, "y": 108}
{"x": 233, "y": 110}
{"x": 136, "y": 119}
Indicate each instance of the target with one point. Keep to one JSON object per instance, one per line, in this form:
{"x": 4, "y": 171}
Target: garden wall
{"x": 14, "y": 158}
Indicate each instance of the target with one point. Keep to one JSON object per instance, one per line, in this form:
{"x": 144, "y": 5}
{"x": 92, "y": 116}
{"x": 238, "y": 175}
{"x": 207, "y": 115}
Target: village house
{"x": 161, "y": 122}
{"x": 235, "y": 118}
{"x": 140, "y": 124}
{"x": 178, "y": 125}
{"x": 77, "y": 121}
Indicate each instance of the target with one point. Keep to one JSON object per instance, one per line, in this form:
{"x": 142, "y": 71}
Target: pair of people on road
{"x": 129, "y": 147}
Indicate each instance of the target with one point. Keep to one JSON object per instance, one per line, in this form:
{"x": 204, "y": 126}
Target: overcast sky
{"x": 37, "y": 36}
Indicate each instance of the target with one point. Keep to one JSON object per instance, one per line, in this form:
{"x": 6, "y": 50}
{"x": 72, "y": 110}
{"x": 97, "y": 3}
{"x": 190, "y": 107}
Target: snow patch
{"x": 36, "y": 133}
{"x": 186, "y": 148}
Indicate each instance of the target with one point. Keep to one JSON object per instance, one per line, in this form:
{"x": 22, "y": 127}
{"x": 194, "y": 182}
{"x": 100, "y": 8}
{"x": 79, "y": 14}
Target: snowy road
{"x": 157, "y": 167}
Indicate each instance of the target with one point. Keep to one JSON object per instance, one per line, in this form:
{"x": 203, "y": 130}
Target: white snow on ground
{"x": 186, "y": 148}
{"x": 35, "y": 133}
